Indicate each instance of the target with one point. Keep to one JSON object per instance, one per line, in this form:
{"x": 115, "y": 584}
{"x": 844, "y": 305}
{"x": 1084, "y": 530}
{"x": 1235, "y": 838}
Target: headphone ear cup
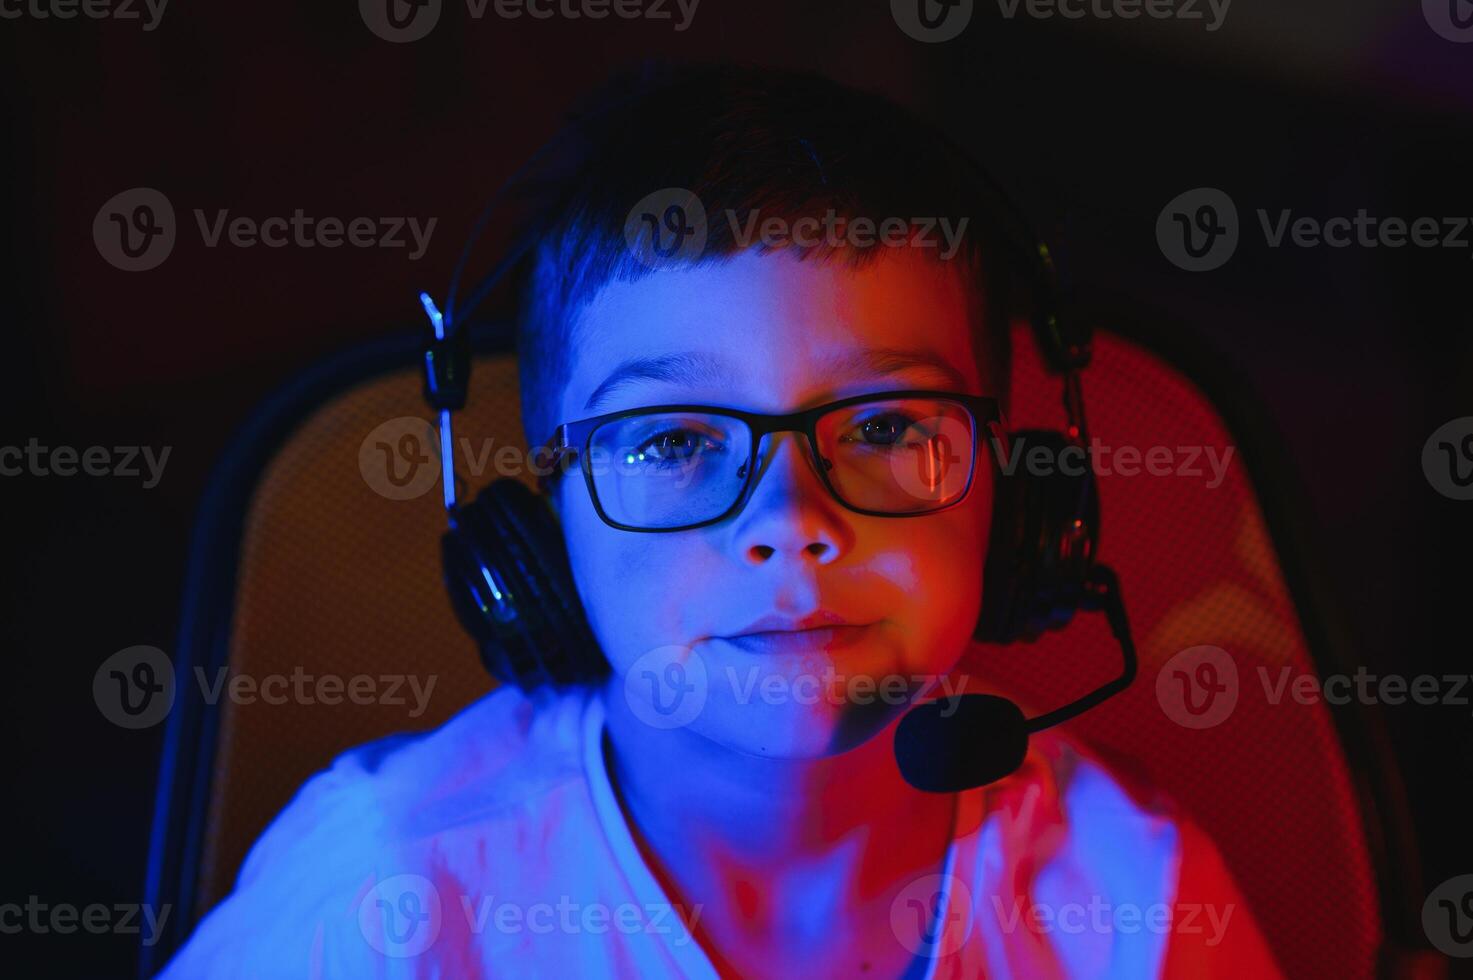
{"x": 1045, "y": 526}
{"x": 482, "y": 600}
{"x": 507, "y": 571}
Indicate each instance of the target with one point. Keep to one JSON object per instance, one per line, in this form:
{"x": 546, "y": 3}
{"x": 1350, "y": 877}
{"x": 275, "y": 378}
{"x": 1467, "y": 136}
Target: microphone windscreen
{"x": 960, "y": 742}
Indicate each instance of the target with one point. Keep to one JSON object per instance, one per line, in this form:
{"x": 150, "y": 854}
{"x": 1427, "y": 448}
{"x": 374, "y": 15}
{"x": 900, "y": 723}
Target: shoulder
{"x": 498, "y": 757}
{"x": 505, "y": 770}
{"x": 1112, "y": 870}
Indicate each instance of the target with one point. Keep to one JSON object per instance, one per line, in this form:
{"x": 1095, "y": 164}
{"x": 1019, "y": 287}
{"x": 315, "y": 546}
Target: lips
{"x": 818, "y": 631}
{"x": 772, "y": 622}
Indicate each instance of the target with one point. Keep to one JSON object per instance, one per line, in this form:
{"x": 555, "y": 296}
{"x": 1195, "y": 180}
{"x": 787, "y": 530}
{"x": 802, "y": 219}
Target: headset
{"x": 507, "y": 572}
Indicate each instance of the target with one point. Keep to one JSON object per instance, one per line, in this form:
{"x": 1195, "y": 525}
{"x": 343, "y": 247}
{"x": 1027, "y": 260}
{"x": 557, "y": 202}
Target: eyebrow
{"x": 695, "y": 368}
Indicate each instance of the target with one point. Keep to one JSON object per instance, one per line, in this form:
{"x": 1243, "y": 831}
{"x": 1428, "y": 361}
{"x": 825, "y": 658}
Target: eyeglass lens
{"x": 890, "y": 456}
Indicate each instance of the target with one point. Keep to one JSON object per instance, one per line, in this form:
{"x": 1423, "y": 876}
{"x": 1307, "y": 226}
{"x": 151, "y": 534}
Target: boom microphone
{"x": 963, "y": 741}
{"x": 970, "y": 740}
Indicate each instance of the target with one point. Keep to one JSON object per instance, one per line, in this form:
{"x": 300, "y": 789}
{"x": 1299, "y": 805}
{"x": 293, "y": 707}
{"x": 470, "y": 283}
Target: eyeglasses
{"x": 678, "y": 467}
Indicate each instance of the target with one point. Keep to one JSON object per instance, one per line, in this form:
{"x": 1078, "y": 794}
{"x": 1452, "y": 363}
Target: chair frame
{"x": 182, "y": 796}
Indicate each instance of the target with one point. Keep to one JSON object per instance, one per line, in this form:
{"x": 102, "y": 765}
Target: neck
{"x": 711, "y": 815}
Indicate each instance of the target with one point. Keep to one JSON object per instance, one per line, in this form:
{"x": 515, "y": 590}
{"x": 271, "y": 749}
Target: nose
{"x": 790, "y": 514}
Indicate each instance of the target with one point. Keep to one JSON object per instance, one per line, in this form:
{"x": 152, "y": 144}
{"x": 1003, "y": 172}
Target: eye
{"x": 884, "y": 429}
{"x": 673, "y": 446}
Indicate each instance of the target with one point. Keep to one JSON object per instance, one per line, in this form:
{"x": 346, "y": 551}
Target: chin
{"x": 795, "y": 731}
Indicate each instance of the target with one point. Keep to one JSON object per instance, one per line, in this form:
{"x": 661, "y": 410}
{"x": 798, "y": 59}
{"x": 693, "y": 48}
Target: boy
{"x": 727, "y": 803}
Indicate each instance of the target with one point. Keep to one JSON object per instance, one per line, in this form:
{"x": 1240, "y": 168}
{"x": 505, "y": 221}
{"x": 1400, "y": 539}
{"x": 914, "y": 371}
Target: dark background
{"x": 1355, "y": 355}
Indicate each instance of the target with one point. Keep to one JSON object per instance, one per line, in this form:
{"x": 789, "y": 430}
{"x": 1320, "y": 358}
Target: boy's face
{"x": 660, "y": 604}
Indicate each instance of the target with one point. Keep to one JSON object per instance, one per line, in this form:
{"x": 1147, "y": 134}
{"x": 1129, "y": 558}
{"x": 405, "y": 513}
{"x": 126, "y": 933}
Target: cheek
{"x": 937, "y": 563}
{"x": 635, "y": 588}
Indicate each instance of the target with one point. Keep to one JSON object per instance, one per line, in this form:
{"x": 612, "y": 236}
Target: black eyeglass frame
{"x": 570, "y": 441}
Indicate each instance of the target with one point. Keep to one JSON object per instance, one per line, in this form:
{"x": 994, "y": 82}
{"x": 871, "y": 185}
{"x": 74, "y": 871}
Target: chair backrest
{"x": 1270, "y": 782}
{"x": 337, "y": 578}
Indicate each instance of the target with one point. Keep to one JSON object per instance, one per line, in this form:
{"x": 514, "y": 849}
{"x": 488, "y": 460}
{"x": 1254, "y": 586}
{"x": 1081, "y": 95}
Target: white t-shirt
{"x": 494, "y": 846}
